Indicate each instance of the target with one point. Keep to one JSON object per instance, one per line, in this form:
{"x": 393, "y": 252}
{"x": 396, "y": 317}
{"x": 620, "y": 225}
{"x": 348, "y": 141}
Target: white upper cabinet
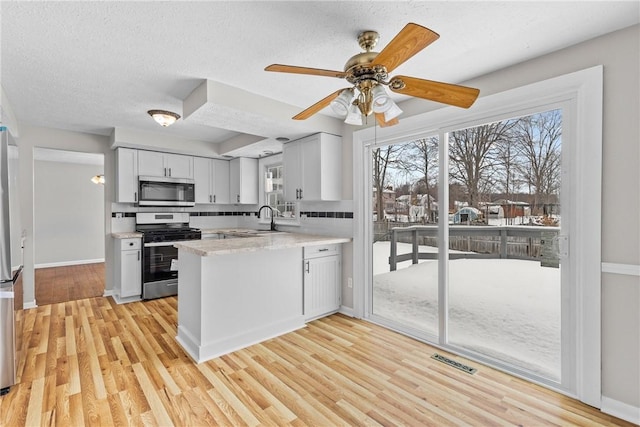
{"x": 221, "y": 180}
{"x": 179, "y": 166}
{"x": 292, "y": 169}
{"x": 313, "y": 168}
{"x": 126, "y": 175}
{"x": 243, "y": 181}
{"x": 203, "y": 180}
{"x": 155, "y": 163}
{"x": 211, "y": 180}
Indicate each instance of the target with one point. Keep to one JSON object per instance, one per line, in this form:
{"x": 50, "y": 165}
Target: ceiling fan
{"x": 369, "y": 71}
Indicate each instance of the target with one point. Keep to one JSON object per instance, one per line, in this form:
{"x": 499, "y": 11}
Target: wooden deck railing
{"x": 509, "y": 242}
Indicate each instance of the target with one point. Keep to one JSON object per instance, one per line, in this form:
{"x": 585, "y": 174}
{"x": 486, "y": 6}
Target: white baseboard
{"x": 621, "y": 410}
{"x": 347, "y": 311}
{"x": 67, "y": 263}
{"x": 29, "y": 305}
{"x": 203, "y": 351}
{"x": 107, "y": 293}
{"x": 125, "y": 300}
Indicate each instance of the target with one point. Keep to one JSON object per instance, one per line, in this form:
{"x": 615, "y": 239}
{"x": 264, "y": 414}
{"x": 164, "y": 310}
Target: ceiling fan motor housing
{"x": 358, "y": 67}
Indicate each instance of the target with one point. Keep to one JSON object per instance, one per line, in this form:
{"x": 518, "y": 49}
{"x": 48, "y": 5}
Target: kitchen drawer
{"x": 130, "y": 244}
{"x": 321, "y": 250}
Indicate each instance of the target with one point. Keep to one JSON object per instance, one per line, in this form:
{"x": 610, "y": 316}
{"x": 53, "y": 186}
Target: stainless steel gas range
{"x": 159, "y": 257}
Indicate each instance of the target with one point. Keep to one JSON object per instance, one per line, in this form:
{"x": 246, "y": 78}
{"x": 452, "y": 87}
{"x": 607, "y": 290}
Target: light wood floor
{"x": 62, "y": 284}
{"x": 93, "y": 362}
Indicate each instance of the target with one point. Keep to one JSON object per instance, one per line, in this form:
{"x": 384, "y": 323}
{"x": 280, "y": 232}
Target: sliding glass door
{"x": 405, "y": 188}
{"x": 468, "y": 242}
{"x": 505, "y": 287}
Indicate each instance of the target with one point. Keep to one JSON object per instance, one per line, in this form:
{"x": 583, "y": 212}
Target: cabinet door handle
{"x": 210, "y": 198}
{"x": 323, "y": 250}
{"x": 238, "y": 198}
{"x": 301, "y": 194}
{"x": 138, "y": 255}
{"x": 165, "y": 171}
{"x": 169, "y": 171}
{"x": 135, "y": 196}
{"x": 214, "y": 198}
{"x": 307, "y": 268}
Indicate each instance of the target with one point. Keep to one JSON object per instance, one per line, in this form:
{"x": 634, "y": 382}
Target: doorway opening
{"x": 68, "y": 225}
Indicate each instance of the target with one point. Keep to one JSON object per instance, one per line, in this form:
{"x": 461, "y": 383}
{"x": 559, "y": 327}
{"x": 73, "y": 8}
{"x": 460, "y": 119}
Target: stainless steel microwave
{"x": 165, "y": 191}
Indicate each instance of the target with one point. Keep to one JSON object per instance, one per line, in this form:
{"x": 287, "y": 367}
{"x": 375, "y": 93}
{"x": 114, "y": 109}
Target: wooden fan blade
{"x": 382, "y": 123}
{"x": 317, "y": 106}
{"x": 460, "y": 96}
{"x": 305, "y": 70}
{"x": 409, "y": 41}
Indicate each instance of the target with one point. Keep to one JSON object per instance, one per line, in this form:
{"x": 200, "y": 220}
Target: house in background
{"x": 108, "y": 63}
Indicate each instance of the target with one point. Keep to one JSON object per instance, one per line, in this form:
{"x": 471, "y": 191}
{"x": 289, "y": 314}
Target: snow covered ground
{"x": 506, "y": 309}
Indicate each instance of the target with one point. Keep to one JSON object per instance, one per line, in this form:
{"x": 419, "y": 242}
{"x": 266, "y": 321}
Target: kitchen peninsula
{"x": 240, "y": 291}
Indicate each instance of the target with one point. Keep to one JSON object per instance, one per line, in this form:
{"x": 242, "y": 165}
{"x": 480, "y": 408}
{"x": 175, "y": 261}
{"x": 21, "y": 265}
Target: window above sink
{"x": 272, "y": 193}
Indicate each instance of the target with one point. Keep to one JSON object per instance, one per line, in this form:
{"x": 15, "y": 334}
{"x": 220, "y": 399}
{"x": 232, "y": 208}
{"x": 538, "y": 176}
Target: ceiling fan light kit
{"x": 164, "y": 118}
{"x": 392, "y": 112}
{"x": 342, "y": 103}
{"x": 368, "y": 72}
{"x": 354, "y": 117}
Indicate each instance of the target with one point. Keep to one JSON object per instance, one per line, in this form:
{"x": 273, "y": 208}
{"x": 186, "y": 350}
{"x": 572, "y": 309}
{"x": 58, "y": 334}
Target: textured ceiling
{"x": 95, "y": 66}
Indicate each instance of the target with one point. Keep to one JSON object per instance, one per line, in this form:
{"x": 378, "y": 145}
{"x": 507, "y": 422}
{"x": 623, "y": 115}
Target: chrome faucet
{"x": 273, "y": 224}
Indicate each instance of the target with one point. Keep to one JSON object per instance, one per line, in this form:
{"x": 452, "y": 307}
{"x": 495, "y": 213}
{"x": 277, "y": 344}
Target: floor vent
{"x": 457, "y": 365}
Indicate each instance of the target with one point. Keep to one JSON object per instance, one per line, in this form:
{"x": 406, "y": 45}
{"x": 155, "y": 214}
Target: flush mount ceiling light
{"x": 164, "y": 118}
{"x": 368, "y": 73}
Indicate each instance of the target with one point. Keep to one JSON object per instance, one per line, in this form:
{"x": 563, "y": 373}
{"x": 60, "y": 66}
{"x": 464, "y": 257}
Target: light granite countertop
{"x": 259, "y": 240}
{"x": 127, "y": 235}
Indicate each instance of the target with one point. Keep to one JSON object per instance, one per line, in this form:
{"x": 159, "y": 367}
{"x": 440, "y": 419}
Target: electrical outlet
{"x": 349, "y": 282}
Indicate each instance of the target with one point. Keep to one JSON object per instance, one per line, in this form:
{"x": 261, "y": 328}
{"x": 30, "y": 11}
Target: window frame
{"x": 263, "y": 164}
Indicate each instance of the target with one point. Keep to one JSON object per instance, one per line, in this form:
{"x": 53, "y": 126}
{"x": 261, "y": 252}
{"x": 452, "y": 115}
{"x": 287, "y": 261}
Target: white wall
{"x": 69, "y": 213}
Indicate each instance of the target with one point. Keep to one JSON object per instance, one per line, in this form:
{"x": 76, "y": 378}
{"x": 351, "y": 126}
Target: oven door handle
{"x": 153, "y": 244}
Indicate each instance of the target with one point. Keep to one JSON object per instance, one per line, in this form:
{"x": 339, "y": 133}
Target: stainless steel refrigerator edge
{"x": 8, "y": 276}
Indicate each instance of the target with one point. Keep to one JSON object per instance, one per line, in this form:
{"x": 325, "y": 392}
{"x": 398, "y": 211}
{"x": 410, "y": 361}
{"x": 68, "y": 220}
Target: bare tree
{"x": 540, "y": 137}
{"x": 383, "y": 158}
{"x": 472, "y": 155}
{"x": 424, "y": 160}
{"x": 509, "y": 162}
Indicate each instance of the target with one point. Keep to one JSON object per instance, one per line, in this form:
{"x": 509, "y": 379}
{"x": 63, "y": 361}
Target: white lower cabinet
{"x": 128, "y": 269}
{"x": 322, "y": 280}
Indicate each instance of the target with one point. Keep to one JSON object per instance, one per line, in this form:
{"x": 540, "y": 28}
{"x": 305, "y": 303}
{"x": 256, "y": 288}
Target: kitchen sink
{"x": 230, "y": 234}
